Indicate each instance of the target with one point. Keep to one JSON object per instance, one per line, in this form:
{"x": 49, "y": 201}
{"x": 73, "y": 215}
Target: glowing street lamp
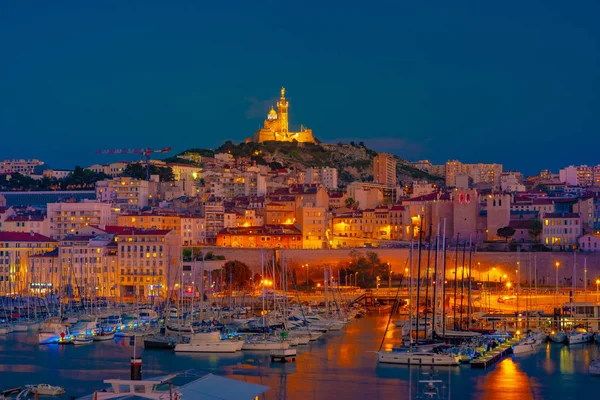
{"x": 597, "y": 286}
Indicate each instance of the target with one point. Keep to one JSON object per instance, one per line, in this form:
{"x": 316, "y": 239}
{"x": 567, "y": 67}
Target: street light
{"x": 597, "y": 286}
{"x": 306, "y": 265}
{"x": 390, "y": 276}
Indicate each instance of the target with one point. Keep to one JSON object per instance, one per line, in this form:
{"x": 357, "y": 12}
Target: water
{"x": 340, "y": 366}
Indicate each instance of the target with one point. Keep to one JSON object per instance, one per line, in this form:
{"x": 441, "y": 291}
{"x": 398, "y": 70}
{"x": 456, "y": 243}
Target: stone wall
{"x": 505, "y": 263}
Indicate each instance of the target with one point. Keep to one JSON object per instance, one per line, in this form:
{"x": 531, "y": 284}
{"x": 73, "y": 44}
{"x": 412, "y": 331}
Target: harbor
{"x": 343, "y": 365}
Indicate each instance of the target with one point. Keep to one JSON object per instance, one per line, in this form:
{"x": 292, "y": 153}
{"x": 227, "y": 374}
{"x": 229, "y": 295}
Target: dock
{"x": 283, "y": 355}
{"x": 494, "y": 356}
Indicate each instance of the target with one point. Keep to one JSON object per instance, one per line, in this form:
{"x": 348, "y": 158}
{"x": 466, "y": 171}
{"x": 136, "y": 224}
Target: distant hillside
{"x": 354, "y": 161}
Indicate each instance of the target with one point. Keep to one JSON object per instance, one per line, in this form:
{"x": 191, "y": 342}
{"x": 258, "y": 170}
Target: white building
{"x": 589, "y": 243}
{"x": 561, "y": 229}
{"x": 68, "y": 218}
{"x": 509, "y": 182}
{"x": 126, "y": 193}
{"x": 57, "y": 173}
{"x": 328, "y": 177}
{"x": 23, "y": 167}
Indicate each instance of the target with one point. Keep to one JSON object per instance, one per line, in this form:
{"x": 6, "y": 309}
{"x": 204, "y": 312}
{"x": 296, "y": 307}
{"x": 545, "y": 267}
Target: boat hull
{"x": 223, "y": 346}
{"x": 265, "y": 346}
{"x": 409, "y": 358}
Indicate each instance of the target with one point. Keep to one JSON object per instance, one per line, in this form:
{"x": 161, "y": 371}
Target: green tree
{"x": 536, "y": 230}
{"x": 351, "y": 203}
{"x": 506, "y": 232}
{"x": 236, "y": 274}
{"x": 138, "y": 171}
{"x": 368, "y": 267}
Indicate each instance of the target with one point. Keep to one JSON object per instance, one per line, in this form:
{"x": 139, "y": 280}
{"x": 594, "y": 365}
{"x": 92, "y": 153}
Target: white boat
{"x": 209, "y": 342}
{"x": 43, "y": 389}
{"x": 84, "y": 325}
{"x": 264, "y": 343}
{"x": 416, "y": 357}
{"x": 594, "y": 368}
{"x": 578, "y": 337}
{"x": 426, "y": 327}
{"x": 104, "y": 336}
{"x": 449, "y": 334}
{"x": 25, "y": 326}
{"x": 82, "y": 339}
{"x": 526, "y": 345}
{"x": 52, "y": 332}
{"x": 147, "y": 314}
{"x": 558, "y": 337}
{"x": 4, "y": 329}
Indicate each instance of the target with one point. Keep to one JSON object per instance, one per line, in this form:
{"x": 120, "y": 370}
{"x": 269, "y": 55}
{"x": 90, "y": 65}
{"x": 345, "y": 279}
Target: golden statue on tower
{"x": 276, "y": 126}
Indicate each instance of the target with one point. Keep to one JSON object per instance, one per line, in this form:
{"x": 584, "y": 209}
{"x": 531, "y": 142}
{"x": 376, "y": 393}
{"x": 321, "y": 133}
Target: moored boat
{"x": 44, "y": 389}
{"x": 82, "y": 339}
{"x": 416, "y": 357}
{"x": 209, "y": 342}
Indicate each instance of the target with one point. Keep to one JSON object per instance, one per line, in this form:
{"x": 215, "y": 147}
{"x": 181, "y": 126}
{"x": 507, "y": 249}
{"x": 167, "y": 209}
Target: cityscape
{"x": 284, "y": 261}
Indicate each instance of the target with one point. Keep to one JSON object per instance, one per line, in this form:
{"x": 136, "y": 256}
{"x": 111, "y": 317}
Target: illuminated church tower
{"x": 276, "y": 126}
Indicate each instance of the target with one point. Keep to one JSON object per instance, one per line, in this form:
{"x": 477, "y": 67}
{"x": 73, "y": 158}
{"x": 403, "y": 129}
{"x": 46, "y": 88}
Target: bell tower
{"x": 282, "y": 108}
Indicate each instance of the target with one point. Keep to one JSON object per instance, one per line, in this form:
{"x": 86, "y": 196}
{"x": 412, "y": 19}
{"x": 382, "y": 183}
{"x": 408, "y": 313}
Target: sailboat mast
{"x": 462, "y": 282}
{"x": 444, "y": 281}
{"x": 436, "y": 280}
{"x": 427, "y": 278}
{"x": 456, "y": 274}
{"x": 410, "y": 291}
{"x": 419, "y": 274}
{"x": 470, "y": 311}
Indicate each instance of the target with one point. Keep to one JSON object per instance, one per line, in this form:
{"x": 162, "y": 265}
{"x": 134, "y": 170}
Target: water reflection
{"x": 506, "y": 381}
{"x": 341, "y": 366}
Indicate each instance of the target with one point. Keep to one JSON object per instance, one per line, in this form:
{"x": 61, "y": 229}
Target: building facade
{"x": 384, "y": 169}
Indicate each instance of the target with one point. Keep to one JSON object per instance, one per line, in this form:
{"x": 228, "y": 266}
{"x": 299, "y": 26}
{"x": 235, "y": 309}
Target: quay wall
{"x": 497, "y": 264}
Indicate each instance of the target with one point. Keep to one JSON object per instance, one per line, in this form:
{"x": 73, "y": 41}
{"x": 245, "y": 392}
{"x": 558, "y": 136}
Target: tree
{"x": 138, "y": 171}
{"x": 236, "y": 274}
{"x": 506, "y": 232}
{"x": 368, "y": 267}
{"x": 536, "y": 230}
{"x": 351, "y": 203}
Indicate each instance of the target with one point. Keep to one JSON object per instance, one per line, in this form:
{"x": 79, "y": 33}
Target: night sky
{"x": 480, "y": 81}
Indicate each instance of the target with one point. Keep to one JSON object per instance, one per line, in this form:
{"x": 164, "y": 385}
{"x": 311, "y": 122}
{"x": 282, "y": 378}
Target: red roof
{"x": 126, "y": 230}
{"x": 24, "y": 237}
{"x": 426, "y": 197}
{"x": 19, "y": 218}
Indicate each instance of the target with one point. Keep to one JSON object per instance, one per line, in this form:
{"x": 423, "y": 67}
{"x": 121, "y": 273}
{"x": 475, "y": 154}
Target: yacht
{"x": 264, "y": 343}
{"x": 416, "y": 357}
{"x": 558, "y": 337}
{"x": 579, "y": 336}
{"x": 526, "y": 345}
{"x": 104, "y": 335}
{"x": 43, "y": 389}
{"x": 209, "y": 342}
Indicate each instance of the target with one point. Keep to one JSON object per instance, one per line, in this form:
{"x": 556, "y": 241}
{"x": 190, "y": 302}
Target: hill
{"x": 354, "y": 161}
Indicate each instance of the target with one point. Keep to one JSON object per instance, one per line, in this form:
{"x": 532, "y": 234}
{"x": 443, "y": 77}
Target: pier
{"x": 494, "y": 356}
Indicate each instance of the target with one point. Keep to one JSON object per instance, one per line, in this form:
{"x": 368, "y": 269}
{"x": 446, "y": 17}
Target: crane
{"x": 145, "y": 153}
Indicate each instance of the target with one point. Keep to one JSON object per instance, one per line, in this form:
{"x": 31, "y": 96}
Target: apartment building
{"x": 87, "y": 264}
{"x": 148, "y": 261}
{"x": 15, "y": 250}
{"x": 68, "y": 218}
{"x": 125, "y": 193}
{"x": 21, "y": 166}
{"x": 312, "y": 224}
{"x": 581, "y": 175}
{"x": 384, "y": 169}
{"x": 266, "y": 236}
{"x": 37, "y": 223}
{"x": 561, "y": 229}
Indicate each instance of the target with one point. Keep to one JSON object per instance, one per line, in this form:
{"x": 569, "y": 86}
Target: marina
{"x": 341, "y": 363}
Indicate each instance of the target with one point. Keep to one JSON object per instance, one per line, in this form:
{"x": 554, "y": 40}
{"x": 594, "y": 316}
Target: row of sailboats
{"x": 419, "y": 326}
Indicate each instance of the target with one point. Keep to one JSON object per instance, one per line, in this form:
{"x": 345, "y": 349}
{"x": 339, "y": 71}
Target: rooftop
{"x": 24, "y": 237}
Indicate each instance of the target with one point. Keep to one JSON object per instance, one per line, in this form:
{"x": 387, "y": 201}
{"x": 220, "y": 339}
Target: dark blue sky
{"x": 512, "y": 82}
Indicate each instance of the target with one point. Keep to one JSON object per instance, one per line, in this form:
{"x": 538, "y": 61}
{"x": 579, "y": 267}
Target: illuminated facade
{"x": 276, "y": 126}
{"x": 15, "y": 250}
{"x": 267, "y": 236}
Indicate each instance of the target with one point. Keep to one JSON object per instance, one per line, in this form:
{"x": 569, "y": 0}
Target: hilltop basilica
{"x": 276, "y": 126}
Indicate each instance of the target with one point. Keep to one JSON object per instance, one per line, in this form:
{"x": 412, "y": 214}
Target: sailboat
{"x": 413, "y": 355}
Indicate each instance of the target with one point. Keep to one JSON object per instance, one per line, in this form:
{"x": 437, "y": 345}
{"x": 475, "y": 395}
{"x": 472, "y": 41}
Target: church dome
{"x": 272, "y": 114}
